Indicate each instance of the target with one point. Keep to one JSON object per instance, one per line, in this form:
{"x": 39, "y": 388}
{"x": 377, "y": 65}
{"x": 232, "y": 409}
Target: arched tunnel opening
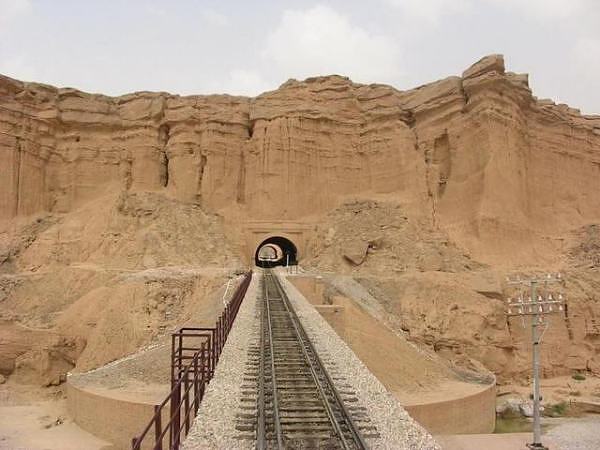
{"x": 276, "y": 251}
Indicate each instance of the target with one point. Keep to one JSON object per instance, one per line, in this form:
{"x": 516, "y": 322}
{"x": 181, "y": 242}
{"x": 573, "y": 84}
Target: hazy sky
{"x": 246, "y": 47}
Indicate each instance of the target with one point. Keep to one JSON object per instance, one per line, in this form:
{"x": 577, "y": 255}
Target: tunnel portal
{"x": 276, "y": 251}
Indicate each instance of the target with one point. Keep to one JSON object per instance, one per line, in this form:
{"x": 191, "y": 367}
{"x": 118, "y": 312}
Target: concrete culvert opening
{"x": 276, "y": 251}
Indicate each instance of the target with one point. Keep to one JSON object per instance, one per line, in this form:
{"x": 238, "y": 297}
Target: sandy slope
{"x": 84, "y": 288}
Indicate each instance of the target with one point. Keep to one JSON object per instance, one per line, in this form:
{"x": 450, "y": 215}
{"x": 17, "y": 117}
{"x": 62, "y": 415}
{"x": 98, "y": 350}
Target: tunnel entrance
{"x": 276, "y": 251}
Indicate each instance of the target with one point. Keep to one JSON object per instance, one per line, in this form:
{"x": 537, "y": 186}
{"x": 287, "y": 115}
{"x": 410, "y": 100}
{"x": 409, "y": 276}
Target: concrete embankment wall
{"x": 467, "y": 408}
{"x": 472, "y": 413}
{"x": 108, "y": 417}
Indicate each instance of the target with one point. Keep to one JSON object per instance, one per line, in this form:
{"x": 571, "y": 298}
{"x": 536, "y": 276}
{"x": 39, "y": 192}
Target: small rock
{"x": 376, "y": 243}
{"x": 58, "y": 421}
{"x": 509, "y": 405}
{"x": 526, "y": 409}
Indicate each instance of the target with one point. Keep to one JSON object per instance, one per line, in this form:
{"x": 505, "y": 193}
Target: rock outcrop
{"x": 473, "y": 171}
{"x": 503, "y": 173}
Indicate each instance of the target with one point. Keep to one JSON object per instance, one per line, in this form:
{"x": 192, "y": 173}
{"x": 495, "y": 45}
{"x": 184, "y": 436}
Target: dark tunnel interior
{"x": 276, "y": 251}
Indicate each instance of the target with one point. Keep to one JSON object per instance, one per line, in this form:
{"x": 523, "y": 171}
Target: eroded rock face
{"x": 478, "y": 154}
{"x": 440, "y": 298}
{"x": 468, "y": 172}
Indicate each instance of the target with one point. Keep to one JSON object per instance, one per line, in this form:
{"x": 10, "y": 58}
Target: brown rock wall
{"x": 477, "y": 155}
{"x": 426, "y": 184}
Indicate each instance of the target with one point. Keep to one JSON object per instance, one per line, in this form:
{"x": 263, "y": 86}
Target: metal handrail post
{"x": 157, "y": 428}
{"x": 176, "y": 415}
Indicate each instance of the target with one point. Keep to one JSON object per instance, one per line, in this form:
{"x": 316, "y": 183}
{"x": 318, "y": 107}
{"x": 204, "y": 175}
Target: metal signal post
{"x": 539, "y": 303}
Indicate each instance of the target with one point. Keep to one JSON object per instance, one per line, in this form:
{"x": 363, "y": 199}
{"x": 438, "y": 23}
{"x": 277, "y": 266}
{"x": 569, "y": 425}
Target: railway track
{"x": 298, "y": 406}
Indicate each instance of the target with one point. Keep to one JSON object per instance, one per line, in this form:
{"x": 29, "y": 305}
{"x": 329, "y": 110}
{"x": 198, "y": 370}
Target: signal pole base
{"x": 537, "y": 446}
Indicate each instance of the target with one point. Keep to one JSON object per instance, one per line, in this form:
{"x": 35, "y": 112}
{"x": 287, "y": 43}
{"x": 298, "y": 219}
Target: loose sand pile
{"x": 81, "y": 289}
{"x": 380, "y": 238}
{"x": 439, "y": 297}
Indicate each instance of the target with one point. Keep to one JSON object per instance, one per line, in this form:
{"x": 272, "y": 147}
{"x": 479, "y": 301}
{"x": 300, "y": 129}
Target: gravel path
{"x": 562, "y": 434}
{"x": 396, "y": 428}
{"x": 576, "y": 434}
{"x": 214, "y": 427}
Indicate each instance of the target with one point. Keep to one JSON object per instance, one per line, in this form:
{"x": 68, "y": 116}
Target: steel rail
{"x": 261, "y": 441}
{"x": 349, "y": 440}
{"x": 275, "y": 401}
{"x": 357, "y": 439}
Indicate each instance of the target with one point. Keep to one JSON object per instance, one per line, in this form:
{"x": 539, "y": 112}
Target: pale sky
{"x": 250, "y": 46}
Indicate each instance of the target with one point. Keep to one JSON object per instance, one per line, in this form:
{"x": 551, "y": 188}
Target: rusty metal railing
{"x": 195, "y": 353}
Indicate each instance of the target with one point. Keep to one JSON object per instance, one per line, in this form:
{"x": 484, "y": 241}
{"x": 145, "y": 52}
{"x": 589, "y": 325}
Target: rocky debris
{"x": 511, "y": 406}
{"x": 83, "y": 288}
{"x": 13, "y": 243}
{"x": 526, "y": 409}
{"x": 378, "y": 237}
{"x": 54, "y": 423}
{"x": 487, "y": 284}
{"x": 132, "y": 231}
{"x": 37, "y": 356}
{"x": 586, "y": 253}
{"x": 356, "y": 252}
{"x": 508, "y": 405}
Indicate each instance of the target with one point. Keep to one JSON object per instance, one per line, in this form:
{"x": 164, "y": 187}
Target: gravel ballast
{"x": 215, "y": 426}
{"x": 396, "y": 428}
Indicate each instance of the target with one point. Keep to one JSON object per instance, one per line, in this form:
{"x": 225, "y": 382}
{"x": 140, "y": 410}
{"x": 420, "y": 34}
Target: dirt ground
{"x": 43, "y": 424}
{"x": 562, "y": 434}
{"x": 582, "y": 394}
{"x": 488, "y": 441}
{"x": 40, "y": 424}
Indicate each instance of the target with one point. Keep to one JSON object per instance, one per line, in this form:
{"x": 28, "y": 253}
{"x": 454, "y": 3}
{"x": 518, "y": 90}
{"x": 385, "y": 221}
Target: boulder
{"x": 355, "y": 252}
{"x": 508, "y": 406}
{"x": 526, "y": 409}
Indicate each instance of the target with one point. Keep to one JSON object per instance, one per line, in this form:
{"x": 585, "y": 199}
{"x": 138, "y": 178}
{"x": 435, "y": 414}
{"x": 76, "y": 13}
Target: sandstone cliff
{"x": 478, "y": 155}
{"x": 438, "y": 189}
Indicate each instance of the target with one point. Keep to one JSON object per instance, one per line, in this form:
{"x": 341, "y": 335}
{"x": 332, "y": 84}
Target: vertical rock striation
{"x": 477, "y": 155}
